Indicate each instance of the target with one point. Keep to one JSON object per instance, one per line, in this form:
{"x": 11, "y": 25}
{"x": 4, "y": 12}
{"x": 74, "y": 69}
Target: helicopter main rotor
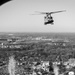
{"x": 48, "y": 13}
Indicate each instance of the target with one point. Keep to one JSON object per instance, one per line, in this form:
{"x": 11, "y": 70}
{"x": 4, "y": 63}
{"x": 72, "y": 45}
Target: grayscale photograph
{"x": 37, "y": 37}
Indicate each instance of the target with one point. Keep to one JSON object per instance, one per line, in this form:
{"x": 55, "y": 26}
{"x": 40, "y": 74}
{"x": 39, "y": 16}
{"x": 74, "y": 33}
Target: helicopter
{"x": 48, "y": 19}
{"x": 4, "y": 1}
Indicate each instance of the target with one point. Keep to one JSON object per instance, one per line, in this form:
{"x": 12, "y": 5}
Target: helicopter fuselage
{"x": 48, "y": 19}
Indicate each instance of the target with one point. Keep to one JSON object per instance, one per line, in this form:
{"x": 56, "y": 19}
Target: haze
{"x": 15, "y": 16}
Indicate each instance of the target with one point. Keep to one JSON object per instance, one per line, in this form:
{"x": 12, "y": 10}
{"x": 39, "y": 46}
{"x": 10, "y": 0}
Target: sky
{"x": 15, "y": 16}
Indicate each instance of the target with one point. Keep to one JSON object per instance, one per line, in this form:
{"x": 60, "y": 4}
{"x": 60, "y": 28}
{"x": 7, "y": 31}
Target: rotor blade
{"x": 41, "y": 12}
{"x": 4, "y": 1}
{"x": 36, "y": 14}
{"x": 50, "y": 12}
{"x": 57, "y": 12}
